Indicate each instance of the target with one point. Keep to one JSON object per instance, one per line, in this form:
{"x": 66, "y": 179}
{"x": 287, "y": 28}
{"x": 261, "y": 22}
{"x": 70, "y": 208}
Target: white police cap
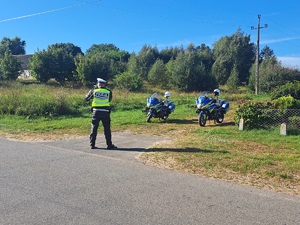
{"x": 100, "y": 80}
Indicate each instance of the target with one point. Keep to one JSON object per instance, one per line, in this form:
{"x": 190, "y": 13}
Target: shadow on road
{"x": 185, "y": 150}
{"x": 123, "y": 149}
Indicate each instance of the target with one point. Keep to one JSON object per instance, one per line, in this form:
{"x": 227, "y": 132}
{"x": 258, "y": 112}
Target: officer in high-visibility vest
{"x": 100, "y": 112}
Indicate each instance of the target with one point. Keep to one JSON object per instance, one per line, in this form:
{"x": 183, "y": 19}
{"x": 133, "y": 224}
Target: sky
{"x": 131, "y": 24}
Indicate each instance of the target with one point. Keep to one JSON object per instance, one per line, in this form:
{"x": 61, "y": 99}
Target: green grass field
{"x": 261, "y": 158}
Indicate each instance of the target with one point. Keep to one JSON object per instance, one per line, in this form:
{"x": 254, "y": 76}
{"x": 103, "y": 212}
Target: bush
{"x": 128, "y": 81}
{"x": 290, "y": 88}
{"x": 286, "y": 102}
{"x": 255, "y": 114}
{"x": 293, "y": 125}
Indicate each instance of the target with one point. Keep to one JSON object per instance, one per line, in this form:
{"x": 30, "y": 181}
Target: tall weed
{"x": 39, "y": 100}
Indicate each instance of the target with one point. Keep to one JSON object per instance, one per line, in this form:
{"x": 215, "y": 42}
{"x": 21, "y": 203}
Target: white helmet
{"x": 167, "y": 94}
{"x": 217, "y": 92}
{"x": 100, "y": 80}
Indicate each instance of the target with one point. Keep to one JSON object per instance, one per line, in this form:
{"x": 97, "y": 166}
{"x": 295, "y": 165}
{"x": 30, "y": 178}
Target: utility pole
{"x": 257, "y": 54}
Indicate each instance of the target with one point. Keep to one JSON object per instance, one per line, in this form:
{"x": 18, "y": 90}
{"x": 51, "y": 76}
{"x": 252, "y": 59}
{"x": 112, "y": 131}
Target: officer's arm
{"x": 110, "y": 96}
{"x": 89, "y": 95}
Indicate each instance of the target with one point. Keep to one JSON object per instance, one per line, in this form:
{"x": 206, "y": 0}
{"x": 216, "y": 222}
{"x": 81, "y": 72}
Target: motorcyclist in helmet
{"x": 217, "y": 93}
{"x": 167, "y": 94}
{"x": 168, "y": 103}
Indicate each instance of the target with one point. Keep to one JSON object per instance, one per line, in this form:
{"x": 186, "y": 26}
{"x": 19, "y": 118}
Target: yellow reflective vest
{"x": 101, "y": 97}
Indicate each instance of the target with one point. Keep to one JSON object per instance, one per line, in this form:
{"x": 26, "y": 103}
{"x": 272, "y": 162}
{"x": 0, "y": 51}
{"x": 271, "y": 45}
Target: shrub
{"x": 286, "y": 102}
{"x": 293, "y": 125}
{"x": 128, "y": 81}
{"x": 290, "y": 88}
{"x": 255, "y": 114}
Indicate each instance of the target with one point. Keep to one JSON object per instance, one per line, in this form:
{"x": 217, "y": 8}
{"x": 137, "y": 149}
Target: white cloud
{"x": 279, "y": 40}
{"x": 288, "y": 61}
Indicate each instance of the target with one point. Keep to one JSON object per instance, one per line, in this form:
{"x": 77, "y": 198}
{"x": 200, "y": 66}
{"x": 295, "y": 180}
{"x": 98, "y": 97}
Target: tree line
{"x": 230, "y": 62}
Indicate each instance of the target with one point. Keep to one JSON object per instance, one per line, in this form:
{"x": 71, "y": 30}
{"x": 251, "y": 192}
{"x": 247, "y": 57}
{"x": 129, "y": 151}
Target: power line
{"x": 284, "y": 26}
{"x": 288, "y": 37}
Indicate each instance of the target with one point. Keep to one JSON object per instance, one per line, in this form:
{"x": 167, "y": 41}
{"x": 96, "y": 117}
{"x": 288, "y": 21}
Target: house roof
{"x": 25, "y": 60}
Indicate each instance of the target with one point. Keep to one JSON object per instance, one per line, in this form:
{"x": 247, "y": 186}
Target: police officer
{"x": 100, "y": 112}
{"x": 168, "y": 102}
{"x": 217, "y": 93}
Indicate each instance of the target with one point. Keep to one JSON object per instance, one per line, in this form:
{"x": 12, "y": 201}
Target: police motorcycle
{"x": 159, "y": 109}
{"x": 210, "y": 108}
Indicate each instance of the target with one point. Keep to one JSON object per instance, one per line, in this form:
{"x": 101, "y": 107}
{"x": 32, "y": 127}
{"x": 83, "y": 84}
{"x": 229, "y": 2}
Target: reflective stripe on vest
{"x": 101, "y": 97}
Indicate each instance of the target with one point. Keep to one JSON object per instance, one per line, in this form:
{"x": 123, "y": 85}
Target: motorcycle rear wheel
{"x": 165, "y": 118}
{"x": 202, "y": 119}
{"x": 220, "y": 118}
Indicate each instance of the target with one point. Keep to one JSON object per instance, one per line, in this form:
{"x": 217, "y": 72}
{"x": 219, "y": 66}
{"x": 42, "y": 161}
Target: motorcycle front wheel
{"x": 202, "y": 119}
{"x": 149, "y": 116}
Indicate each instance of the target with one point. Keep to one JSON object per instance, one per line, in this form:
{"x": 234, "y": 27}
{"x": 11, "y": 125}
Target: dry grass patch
{"x": 244, "y": 162}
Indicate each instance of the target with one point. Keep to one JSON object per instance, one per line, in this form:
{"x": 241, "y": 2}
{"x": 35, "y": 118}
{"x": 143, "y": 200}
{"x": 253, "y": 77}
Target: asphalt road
{"x": 65, "y": 182}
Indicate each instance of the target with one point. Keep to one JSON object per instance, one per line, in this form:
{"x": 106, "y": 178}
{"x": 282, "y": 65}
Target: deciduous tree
{"x": 10, "y": 67}
{"x": 90, "y": 67}
{"x": 56, "y": 62}
{"x": 16, "y": 46}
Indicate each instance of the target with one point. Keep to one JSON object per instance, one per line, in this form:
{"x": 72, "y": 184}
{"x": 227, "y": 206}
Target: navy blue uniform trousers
{"x": 98, "y": 117}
